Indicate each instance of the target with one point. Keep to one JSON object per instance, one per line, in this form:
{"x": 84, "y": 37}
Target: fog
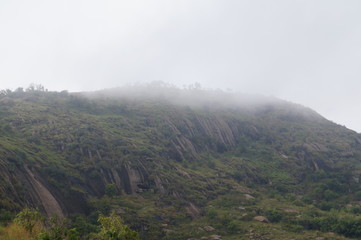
{"x": 147, "y": 95}
{"x": 191, "y": 96}
{"x": 307, "y": 52}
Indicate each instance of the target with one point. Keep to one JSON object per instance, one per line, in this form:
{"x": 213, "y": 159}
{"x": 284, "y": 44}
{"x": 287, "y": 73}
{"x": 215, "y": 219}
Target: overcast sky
{"x": 304, "y": 51}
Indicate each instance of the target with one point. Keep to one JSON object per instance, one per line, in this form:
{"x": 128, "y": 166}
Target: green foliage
{"x": 294, "y": 228}
{"x": 28, "y": 219}
{"x": 58, "y": 229}
{"x": 5, "y": 215}
{"x": 111, "y": 190}
{"x": 113, "y": 228}
{"x": 355, "y": 210}
{"x": 274, "y": 215}
{"x": 212, "y": 214}
{"x": 83, "y": 225}
{"x": 347, "y": 226}
{"x": 30, "y": 224}
{"x": 234, "y": 227}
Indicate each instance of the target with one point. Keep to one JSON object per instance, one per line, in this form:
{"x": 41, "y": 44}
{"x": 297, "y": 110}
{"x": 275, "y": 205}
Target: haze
{"x": 307, "y": 52}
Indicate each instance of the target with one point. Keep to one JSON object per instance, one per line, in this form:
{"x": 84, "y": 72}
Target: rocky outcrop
{"x": 218, "y": 129}
{"x": 213, "y": 132}
{"x": 26, "y": 188}
{"x": 132, "y": 179}
{"x": 48, "y": 201}
{"x": 128, "y": 180}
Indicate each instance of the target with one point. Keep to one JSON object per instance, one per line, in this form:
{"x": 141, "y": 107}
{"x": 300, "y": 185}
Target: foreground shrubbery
{"x": 31, "y": 225}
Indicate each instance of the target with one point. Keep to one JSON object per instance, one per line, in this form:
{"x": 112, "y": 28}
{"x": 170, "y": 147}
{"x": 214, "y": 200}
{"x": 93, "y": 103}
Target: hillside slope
{"x": 173, "y": 161}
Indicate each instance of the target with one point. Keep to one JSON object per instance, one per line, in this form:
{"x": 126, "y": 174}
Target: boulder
{"x": 261, "y": 219}
{"x": 208, "y": 228}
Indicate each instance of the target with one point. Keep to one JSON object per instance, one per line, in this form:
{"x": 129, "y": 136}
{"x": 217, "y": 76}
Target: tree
{"x": 30, "y": 224}
{"x": 111, "y": 190}
{"x": 113, "y": 228}
{"x": 29, "y": 219}
{"x": 35, "y": 88}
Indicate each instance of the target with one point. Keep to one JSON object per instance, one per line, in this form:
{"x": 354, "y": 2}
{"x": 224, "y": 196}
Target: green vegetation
{"x": 30, "y": 224}
{"x": 112, "y": 228}
{"x": 172, "y": 170}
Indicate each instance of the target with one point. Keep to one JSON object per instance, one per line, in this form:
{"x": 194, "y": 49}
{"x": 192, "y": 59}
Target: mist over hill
{"x": 195, "y": 96}
{"x": 179, "y": 163}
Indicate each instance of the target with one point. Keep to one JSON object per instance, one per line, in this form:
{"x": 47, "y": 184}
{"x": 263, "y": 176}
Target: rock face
{"x": 50, "y": 204}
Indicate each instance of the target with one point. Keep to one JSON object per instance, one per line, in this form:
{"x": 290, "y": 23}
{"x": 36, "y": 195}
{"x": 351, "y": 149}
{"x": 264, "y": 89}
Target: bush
{"x": 29, "y": 219}
{"x": 233, "y": 227}
{"x": 355, "y": 210}
{"x": 274, "y": 215}
{"x": 330, "y": 195}
{"x": 112, "y": 228}
{"x": 111, "y": 190}
{"x": 326, "y": 206}
{"x": 212, "y": 214}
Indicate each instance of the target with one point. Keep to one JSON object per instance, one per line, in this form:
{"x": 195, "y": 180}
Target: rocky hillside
{"x": 179, "y": 164}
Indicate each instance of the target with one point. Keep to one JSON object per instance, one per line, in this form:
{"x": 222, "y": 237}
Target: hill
{"x": 180, "y": 164}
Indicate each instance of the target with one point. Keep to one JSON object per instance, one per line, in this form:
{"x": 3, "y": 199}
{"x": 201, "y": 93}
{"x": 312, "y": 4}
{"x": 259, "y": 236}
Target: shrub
{"x": 111, "y": 190}
{"x": 113, "y": 228}
{"x": 29, "y": 219}
{"x": 212, "y": 214}
{"x": 273, "y": 215}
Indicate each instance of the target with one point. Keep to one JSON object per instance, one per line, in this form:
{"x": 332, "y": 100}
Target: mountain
{"x": 180, "y": 163}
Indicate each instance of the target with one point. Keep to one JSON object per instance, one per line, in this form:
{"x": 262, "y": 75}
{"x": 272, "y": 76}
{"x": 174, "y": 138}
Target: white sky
{"x": 305, "y": 51}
